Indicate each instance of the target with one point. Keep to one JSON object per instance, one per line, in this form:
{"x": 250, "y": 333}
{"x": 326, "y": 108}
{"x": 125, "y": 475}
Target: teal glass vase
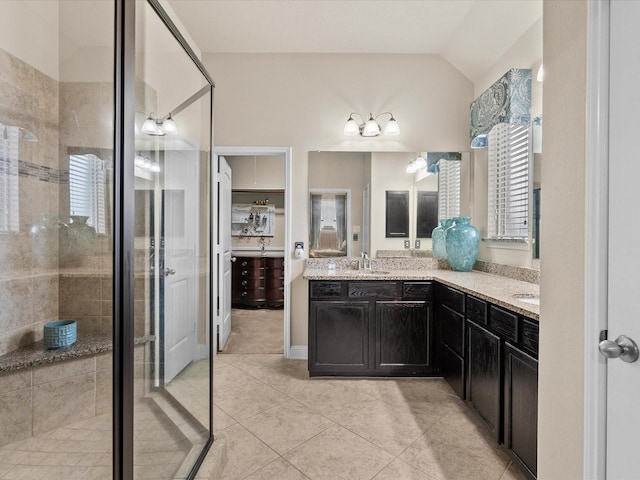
{"x": 462, "y": 241}
{"x": 438, "y": 236}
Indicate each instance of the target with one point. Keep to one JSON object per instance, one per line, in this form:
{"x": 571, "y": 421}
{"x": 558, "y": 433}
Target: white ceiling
{"x": 471, "y": 34}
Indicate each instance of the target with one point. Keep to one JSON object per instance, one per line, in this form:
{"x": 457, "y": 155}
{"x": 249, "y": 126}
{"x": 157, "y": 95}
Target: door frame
{"x": 229, "y": 151}
{"x": 596, "y": 239}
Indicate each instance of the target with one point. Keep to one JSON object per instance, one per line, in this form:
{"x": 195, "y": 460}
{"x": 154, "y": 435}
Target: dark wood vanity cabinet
{"x": 370, "y": 328}
{"x": 257, "y": 282}
{"x": 493, "y": 366}
{"x": 451, "y": 337}
{"x": 521, "y": 408}
{"x": 484, "y": 377}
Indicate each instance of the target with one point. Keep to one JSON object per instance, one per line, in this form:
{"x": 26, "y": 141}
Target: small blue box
{"x": 60, "y": 333}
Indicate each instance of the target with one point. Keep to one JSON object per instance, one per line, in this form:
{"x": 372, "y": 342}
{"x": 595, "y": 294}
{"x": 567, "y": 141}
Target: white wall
{"x": 560, "y": 431}
{"x": 304, "y": 100}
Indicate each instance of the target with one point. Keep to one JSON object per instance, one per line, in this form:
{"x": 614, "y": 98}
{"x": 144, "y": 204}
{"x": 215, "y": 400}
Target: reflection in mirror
{"x": 397, "y": 214}
{"x": 330, "y": 226}
{"x": 426, "y": 213}
{"x": 334, "y": 172}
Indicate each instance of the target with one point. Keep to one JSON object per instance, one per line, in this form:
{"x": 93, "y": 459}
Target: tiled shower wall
{"x": 28, "y": 282}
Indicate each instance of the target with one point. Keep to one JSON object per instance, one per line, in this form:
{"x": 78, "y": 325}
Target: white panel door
{"x": 224, "y": 251}
{"x": 180, "y": 217}
{"x": 623, "y": 379}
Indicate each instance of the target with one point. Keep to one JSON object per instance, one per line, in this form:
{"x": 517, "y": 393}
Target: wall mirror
{"x": 368, "y": 176}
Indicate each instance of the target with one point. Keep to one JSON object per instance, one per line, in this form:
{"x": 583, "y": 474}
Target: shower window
{"x": 87, "y": 179}
{"x": 9, "y": 211}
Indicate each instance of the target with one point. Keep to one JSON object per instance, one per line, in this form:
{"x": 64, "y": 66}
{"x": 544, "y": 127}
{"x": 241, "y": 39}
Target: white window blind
{"x": 448, "y": 189}
{"x": 509, "y": 159}
{"x": 87, "y": 179}
{"x": 9, "y": 200}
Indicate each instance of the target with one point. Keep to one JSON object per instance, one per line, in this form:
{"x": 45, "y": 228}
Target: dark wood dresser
{"x": 258, "y": 282}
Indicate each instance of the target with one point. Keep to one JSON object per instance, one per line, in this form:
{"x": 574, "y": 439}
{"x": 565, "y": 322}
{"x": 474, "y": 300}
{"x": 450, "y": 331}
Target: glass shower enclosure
{"x": 62, "y": 176}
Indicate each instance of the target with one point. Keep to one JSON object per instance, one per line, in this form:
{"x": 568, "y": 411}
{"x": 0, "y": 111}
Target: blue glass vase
{"x": 462, "y": 242}
{"x": 438, "y": 238}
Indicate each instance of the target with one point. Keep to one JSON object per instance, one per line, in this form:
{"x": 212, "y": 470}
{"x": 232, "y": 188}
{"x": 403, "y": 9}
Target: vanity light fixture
{"x": 146, "y": 164}
{"x": 416, "y": 164}
{"x": 371, "y": 128}
{"x": 159, "y": 126}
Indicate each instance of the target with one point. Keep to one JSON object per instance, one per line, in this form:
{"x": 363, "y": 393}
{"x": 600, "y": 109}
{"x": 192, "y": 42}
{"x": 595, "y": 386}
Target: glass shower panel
{"x": 56, "y": 197}
{"x": 173, "y": 125}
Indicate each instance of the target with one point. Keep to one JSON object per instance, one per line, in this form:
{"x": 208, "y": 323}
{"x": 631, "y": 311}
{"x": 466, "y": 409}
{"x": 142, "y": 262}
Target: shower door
{"x": 179, "y": 273}
{"x": 172, "y": 405}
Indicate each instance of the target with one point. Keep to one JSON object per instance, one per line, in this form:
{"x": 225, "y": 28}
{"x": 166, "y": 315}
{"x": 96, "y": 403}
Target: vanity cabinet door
{"x": 521, "y": 408}
{"x": 484, "y": 353}
{"x": 402, "y": 336}
{"x": 338, "y": 337}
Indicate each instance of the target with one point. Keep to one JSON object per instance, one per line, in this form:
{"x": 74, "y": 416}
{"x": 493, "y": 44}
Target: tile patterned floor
{"x": 83, "y": 450}
{"x": 274, "y": 422}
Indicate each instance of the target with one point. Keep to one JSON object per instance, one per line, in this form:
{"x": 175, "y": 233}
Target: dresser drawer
{"x": 452, "y": 298}
{"x": 504, "y": 323}
{"x": 476, "y": 310}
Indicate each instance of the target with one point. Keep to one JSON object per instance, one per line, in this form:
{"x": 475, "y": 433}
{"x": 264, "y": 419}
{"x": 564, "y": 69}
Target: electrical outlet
{"x": 355, "y": 237}
{"x": 407, "y": 244}
{"x": 417, "y": 243}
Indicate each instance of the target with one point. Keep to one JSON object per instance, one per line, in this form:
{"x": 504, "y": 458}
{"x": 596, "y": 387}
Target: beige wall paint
{"x": 303, "y": 101}
{"x": 29, "y": 31}
{"x": 560, "y": 434}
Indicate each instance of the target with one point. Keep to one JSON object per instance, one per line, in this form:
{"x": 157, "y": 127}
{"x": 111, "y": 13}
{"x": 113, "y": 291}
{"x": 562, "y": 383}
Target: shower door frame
{"x": 124, "y": 233}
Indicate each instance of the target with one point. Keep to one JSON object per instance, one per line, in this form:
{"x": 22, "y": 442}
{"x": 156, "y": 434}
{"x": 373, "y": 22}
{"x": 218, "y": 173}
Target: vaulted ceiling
{"x": 471, "y": 34}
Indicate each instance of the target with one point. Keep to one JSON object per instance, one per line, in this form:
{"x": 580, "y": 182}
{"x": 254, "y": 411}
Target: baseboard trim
{"x": 298, "y": 352}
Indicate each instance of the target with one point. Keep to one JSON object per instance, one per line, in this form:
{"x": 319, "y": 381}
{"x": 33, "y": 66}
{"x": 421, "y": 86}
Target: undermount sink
{"x": 529, "y": 298}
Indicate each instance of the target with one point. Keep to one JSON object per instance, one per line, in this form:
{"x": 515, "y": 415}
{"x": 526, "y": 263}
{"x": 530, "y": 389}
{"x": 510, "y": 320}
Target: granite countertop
{"x": 496, "y": 289}
{"x": 35, "y": 354}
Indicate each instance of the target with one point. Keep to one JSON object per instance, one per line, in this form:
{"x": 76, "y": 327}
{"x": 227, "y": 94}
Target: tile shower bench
{"x": 41, "y": 390}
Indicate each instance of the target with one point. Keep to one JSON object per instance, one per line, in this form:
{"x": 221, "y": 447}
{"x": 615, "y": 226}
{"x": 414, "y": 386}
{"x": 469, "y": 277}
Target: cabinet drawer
{"x": 320, "y": 289}
{"x": 452, "y": 299}
{"x": 250, "y": 262}
{"x": 529, "y": 336}
{"x": 476, "y": 310}
{"x": 419, "y": 290}
{"x": 369, "y": 289}
{"x": 452, "y": 329}
{"x": 504, "y": 322}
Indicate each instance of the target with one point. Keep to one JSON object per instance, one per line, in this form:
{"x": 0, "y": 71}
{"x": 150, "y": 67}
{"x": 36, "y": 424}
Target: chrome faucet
{"x": 366, "y": 262}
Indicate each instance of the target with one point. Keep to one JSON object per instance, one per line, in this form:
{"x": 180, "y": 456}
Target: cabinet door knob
{"x": 233, "y": 259}
{"x": 244, "y": 264}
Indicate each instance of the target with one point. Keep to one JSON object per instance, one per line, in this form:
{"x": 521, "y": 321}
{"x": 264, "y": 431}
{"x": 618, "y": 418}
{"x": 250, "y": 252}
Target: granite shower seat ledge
{"x": 495, "y": 289}
{"x": 35, "y": 353}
